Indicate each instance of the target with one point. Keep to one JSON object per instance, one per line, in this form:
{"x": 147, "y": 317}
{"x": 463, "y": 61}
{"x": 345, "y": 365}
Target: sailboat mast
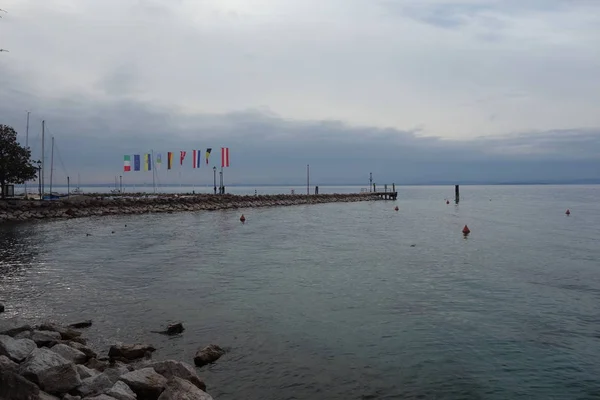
{"x": 27, "y": 144}
{"x": 51, "y": 165}
{"x": 43, "y": 157}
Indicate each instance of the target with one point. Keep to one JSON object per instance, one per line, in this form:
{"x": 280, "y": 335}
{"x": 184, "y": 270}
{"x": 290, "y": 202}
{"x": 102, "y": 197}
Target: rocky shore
{"x": 54, "y": 362}
{"x": 86, "y": 206}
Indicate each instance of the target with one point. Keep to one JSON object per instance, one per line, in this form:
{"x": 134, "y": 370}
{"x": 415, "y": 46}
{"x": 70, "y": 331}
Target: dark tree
{"x": 16, "y": 165}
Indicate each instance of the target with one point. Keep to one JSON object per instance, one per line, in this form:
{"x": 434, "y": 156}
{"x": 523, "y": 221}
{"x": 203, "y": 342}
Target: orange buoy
{"x": 242, "y": 218}
{"x": 568, "y": 212}
{"x": 466, "y": 230}
{"x": 396, "y": 208}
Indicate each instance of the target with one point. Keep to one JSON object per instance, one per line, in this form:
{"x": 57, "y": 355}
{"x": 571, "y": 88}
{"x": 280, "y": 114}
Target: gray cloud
{"x": 413, "y": 91}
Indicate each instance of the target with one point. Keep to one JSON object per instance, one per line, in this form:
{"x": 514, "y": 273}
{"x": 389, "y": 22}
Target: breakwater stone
{"x": 87, "y": 205}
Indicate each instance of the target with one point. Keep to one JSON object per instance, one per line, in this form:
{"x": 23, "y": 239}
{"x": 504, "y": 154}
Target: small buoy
{"x": 242, "y": 218}
{"x": 447, "y": 201}
{"x": 568, "y": 212}
{"x": 396, "y": 208}
{"x": 113, "y": 232}
{"x": 466, "y": 230}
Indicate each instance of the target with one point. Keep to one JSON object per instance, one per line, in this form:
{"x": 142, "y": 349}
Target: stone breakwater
{"x": 87, "y": 206}
{"x": 54, "y": 362}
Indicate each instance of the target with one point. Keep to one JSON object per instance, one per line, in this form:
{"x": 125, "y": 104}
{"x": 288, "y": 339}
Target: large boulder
{"x": 130, "y": 351}
{"x": 114, "y": 372}
{"x": 6, "y": 364}
{"x": 16, "y": 349}
{"x": 172, "y": 368}
{"x": 65, "y": 332}
{"x": 208, "y": 354}
{"x": 121, "y": 391}
{"x": 45, "y": 338}
{"x": 69, "y": 353}
{"x": 52, "y": 372}
{"x": 101, "y": 397}
{"x": 46, "y": 396}
{"x": 94, "y": 385}
{"x": 13, "y": 326}
{"x": 179, "y": 389}
{"x": 96, "y": 364}
{"x": 85, "y": 372}
{"x": 15, "y": 387}
{"x": 89, "y": 353}
{"x": 145, "y": 382}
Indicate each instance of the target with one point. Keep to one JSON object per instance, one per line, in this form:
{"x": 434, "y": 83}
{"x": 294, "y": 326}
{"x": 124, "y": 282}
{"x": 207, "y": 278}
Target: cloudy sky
{"x": 414, "y": 91}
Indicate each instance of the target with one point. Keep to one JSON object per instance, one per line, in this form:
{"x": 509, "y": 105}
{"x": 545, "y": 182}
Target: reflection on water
{"x": 332, "y": 301}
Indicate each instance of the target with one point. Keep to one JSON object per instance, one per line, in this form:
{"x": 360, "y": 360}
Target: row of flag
{"x": 149, "y": 162}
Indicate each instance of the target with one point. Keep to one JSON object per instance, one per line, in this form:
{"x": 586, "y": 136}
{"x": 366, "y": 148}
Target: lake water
{"x": 331, "y": 301}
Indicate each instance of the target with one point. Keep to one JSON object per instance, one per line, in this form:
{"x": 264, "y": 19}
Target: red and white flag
{"x": 181, "y": 157}
{"x": 224, "y": 156}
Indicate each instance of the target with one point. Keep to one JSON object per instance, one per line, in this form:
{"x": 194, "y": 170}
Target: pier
{"x": 385, "y": 195}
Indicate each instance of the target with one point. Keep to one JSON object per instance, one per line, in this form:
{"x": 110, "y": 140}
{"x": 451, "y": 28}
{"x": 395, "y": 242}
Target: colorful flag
{"x": 207, "y": 155}
{"x": 158, "y": 160}
{"x": 169, "y": 160}
{"x": 197, "y": 157}
{"x": 181, "y": 157}
{"x": 136, "y": 162}
{"x": 127, "y": 163}
{"x": 147, "y": 162}
{"x": 193, "y": 158}
{"x": 224, "y": 157}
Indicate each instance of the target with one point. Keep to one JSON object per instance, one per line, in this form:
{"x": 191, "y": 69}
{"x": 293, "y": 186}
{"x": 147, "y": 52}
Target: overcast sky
{"x": 411, "y": 90}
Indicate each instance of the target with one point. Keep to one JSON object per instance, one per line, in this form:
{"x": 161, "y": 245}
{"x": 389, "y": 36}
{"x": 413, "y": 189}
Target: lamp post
{"x": 68, "y": 187}
{"x": 215, "y": 179}
{"x": 121, "y": 184}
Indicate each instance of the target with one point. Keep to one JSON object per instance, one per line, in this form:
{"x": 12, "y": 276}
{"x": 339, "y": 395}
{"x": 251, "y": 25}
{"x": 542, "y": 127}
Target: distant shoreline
{"x": 294, "y": 186}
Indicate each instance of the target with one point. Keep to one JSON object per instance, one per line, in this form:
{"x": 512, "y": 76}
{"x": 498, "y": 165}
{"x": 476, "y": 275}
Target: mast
{"x": 27, "y": 144}
{"x": 43, "y": 157}
{"x": 51, "y": 165}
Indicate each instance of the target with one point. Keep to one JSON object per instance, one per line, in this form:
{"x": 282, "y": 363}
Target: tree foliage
{"x": 16, "y": 165}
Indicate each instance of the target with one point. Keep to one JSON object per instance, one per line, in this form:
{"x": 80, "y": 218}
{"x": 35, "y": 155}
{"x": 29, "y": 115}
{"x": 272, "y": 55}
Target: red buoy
{"x": 447, "y": 201}
{"x": 242, "y": 218}
{"x": 396, "y": 208}
{"x": 568, "y": 212}
{"x": 466, "y": 230}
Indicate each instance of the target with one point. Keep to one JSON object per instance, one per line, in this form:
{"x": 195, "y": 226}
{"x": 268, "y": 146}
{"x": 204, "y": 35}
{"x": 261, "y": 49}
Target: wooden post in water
{"x": 394, "y": 187}
{"x": 456, "y": 194}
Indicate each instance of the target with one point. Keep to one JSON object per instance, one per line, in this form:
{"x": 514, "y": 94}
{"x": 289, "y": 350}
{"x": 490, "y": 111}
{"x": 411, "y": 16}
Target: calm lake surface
{"x": 331, "y": 301}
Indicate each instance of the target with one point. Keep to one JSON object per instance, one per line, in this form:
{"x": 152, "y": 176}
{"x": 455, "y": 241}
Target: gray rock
{"x": 179, "y": 389}
{"x": 96, "y": 364}
{"x": 69, "y": 353}
{"x": 94, "y": 385}
{"x": 101, "y": 397}
{"x": 46, "y": 396}
{"x": 70, "y": 397}
{"x": 172, "y": 368}
{"x": 45, "y": 338}
{"x": 146, "y": 383}
{"x": 129, "y": 351}
{"x": 116, "y": 371}
{"x": 52, "y": 372}
{"x": 85, "y": 372}
{"x": 82, "y": 324}
{"x": 89, "y": 353}
{"x": 23, "y": 335}
{"x": 6, "y": 364}
{"x": 65, "y": 332}
{"x": 121, "y": 391}
{"x": 207, "y": 355}
{"x": 15, "y": 387}
{"x": 16, "y": 349}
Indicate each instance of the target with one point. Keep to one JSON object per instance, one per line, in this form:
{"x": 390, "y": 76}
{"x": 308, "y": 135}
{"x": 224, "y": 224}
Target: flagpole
{"x": 27, "y": 145}
{"x": 153, "y": 172}
{"x": 307, "y": 179}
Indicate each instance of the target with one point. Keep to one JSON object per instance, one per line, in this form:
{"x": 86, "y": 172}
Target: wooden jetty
{"x": 385, "y": 195}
